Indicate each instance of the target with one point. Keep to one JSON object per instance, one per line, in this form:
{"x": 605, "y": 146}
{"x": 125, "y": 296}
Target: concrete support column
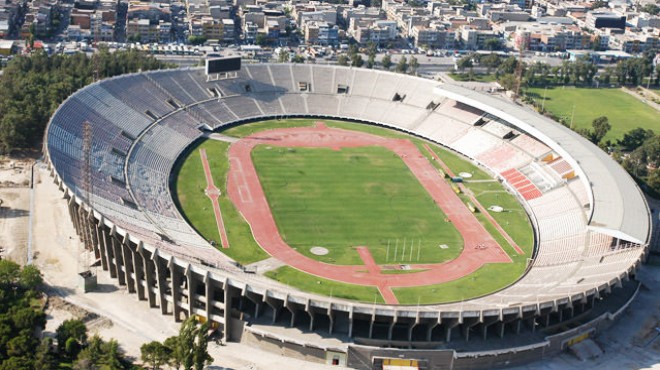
{"x": 350, "y": 323}
{"x": 371, "y": 326}
{"x": 274, "y": 304}
{"x": 468, "y": 323}
{"x": 331, "y": 318}
{"x": 390, "y": 330}
{"x": 161, "y": 279}
{"x": 486, "y": 323}
{"x": 230, "y": 293}
{"x": 127, "y": 262}
{"x": 103, "y": 239}
{"x": 312, "y": 315}
{"x": 290, "y": 307}
{"x": 138, "y": 273}
{"x": 97, "y": 242}
{"x": 192, "y": 288}
{"x": 149, "y": 268}
{"x": 110, "y": 252}
{"x": 410, "y": 330}
{"x": 73, "y": 213}
{"x": 175, "y": 279}
{"x": 119, "y": 260}
{"x": 257, "y": 300}
{"x": 450, "y": 323}
{"x": 208, "y": 292}
{"x": 429, "y": 331}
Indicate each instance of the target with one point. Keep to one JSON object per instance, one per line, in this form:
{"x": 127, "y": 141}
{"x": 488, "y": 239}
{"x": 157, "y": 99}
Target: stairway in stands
{"x": 522, "y": 184}
{"x": 532, "y": 180}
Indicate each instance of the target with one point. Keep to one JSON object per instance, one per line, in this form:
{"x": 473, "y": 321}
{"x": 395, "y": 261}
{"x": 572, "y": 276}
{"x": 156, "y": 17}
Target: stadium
{"x": 114, "y": 149}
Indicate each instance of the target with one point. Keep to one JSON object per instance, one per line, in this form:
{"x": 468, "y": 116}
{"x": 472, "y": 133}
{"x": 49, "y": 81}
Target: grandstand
{"x": 591, "y": 221}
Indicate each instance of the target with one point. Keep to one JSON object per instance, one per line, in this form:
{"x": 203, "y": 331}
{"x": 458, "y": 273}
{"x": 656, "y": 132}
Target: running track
{"x": 242, "y": 178}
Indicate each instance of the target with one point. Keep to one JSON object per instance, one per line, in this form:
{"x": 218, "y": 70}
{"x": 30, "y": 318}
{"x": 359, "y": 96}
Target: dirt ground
{"x": 15, "y": 177}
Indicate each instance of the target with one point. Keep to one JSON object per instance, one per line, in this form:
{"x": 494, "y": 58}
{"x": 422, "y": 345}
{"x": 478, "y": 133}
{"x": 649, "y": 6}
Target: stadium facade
{"x": 591, "y": 221}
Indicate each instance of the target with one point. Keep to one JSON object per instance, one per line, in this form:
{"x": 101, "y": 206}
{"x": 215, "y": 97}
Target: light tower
{"x": 86, "y": 277}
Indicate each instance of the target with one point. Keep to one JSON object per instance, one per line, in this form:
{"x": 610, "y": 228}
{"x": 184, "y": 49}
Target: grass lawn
{"x": 488, "y": 279}
{"x": 623, "y": 111}
{"x": 196, "y": 207}
{"x": 314, "y": 284}
{"x": 357, "y": 197}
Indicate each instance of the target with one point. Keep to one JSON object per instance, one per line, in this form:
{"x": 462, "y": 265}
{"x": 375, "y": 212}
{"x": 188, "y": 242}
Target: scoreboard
{"x": 223, "y": 65}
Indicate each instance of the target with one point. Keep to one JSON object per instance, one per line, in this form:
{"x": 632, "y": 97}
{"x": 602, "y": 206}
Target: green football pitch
{"x": 339, "y": 199}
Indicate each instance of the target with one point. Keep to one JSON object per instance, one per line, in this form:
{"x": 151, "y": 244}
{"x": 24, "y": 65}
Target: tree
{"x": 414, "y": 64}
{"x": 72, "y": 348}
{"x": 493, "y": 44}
{"x": 298, "y": 59}
{"x": 601, "y": 126}
{"x": 507, "y": 81}
{"x": 176, "y": 356}
{"x": 156, "y": 354}
{"x": 261, "y": 39}
{"x": 111, "y": 355}
{"x": 44, "y": 359}
{"x": 26, "y": 318}
{"x": 651, "y": 8}
{"x": 464, "y": 62}
{"x": 634, "y": 138}
{"x": 71, "y": 335}
{"x": 196, "y": 40}
{"x": 30, "y": 277}
{"x": 283, "y": 55}
{"x": 33, "y": 86}
{"x": 490, "y": 61}
{"x": 342, "y": 60}
{"x": 186, "y": 342}
{"x": 509, "y": 65}
{"x": 371, "y": 61}
{"x": 386, "y": 62}
{"x": 599, "y": 4}
{"x": 201, "y": 356}
{"x": 21, "y": 345}
{"x": 9, "y": 272}
{"x": 91, "y": 355}
{"x": 402, "y": 65}
{"x": 356, "y": 60}
{"x": 189, "y": 349}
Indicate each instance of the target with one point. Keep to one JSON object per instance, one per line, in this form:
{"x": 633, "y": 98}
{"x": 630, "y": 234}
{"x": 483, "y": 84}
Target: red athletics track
{"x": 245, "y": 191}
{"x": 213, "y": 193}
